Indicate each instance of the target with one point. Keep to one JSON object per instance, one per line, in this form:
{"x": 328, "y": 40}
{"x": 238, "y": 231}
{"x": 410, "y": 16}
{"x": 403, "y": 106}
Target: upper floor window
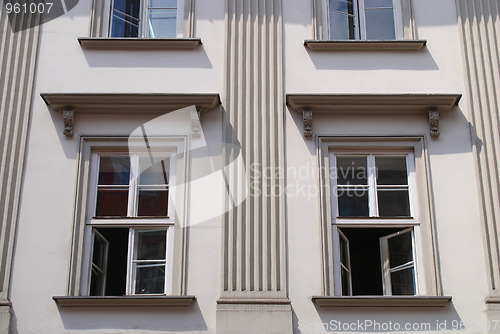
{"x": 365, "y": 19}
{"x": 144, "y": 18}
{"x": 375, "y": 230}
{"x": 130, "y": 230}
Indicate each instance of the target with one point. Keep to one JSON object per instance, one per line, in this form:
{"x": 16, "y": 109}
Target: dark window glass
{"x": 151, "y": 245}
{"x": 153, "y": 203}
{"x": 116, "y": 272}
{"x": 114, "y": 171}
{"x": 353, "y": 202}
{"x": 342, "y": 18}
{"x": 125, "y": 18}
{"x": 400, "y": 249}
{"x": 352, "y": 171}
{"x": 391, "y": 171}
{"x": 112, "y": 202}
{"x": 380, "y": 24}
{"x": 393, "y": 203}
{"x": 150, "y": 279}
{"x": 403, "y": 282}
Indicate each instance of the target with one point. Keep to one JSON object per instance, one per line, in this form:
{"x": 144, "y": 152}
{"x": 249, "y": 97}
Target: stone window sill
{"x": 381, "y": 301}
{"x": 138, "y": 44}
{"x": 355, "y": 45}
{"x": 123, "y": 301}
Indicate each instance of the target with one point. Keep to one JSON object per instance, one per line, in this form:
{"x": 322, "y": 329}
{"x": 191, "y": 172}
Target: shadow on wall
{"x": 197, "y": 58}
{"x": 375, "y": 60}
{"x": 164, "y": 319}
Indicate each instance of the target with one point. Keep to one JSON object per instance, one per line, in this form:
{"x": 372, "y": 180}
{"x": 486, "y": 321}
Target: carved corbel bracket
{"x": 434, "y": 123}
{"x": 195, "y": 122}
{"x": 69, "y": 118}
{"x": 307, "y": 117}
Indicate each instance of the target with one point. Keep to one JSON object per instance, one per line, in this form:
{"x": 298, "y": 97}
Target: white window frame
{"x": 386, "y": 268}
{"x": 102, "y": 12}
{"x": 86, "y": 223}
{"x": 360, "y": 20}
{"x": 372, "y": 186}
{"x": 132, "y": 222}
{"x": 143, "y": 19}
{"x": 337, "y": 223}
{"x": 403, "y": 17}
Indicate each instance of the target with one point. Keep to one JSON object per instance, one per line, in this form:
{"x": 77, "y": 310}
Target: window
{"x": 130, "y": 225}
{"x": 129, "y": 236}
{"x": 375, "y": 224}
{"x": 365, "y": 19}
{"x": 144, "y": 18}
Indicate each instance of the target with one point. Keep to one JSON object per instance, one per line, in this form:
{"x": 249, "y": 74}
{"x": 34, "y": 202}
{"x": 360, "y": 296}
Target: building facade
{"x": 250, "y": 166}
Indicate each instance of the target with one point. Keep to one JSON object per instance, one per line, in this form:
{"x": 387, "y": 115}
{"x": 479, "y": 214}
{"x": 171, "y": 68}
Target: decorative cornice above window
{"x": 382, "y": 301}
{"x": 355, "y": 45}
{"x": 123, "y": 301}
{"x": 70, "y": 104}
{"x": 138, "y": 44}
{"x": 372, "y": 104}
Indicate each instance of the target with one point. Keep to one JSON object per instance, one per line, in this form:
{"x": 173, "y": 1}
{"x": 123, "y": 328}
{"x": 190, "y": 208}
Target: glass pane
{"x": 114, "y": 171}
{"x": 153, "y": 203}
{"x": 400, "y": 249}
{"x": 353, "y": 202}
{"x": 162, "y": 23}
{"x": 155, "y": 174}
{"x": 403, "y": 282}
{"x": 162, "y": 3}
{"x": 344, "y": 251}
{"x": 344, "y": 6}
{"x": 378, "y": 3}
{"x": 351, "y": 170}
{"x": 99, "y": 252}
{"x": 96, "y": 283}
{"x": 150, "y": 279}
{"x": 112, "y": 202}
{"x": 346, "y": 283}
{"x": 391, "y": 170}
{"x": 341, "y": 26}
{"x": 151, "y": 245}
{"x": 125, "y": 21}
{"x": 393, "y": 203}
{"x": 380, "y": 24}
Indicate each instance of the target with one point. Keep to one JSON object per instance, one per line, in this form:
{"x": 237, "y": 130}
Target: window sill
{"x": 354, "y": 45}
{"x": 381, "y": 301}
{"x": 138, "y": 44}
{"x": 123, "y": 301}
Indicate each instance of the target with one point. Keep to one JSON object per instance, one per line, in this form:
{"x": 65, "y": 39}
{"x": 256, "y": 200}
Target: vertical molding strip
{"x": 18, "y": 58}
{"x": 480, "y": 28}
{"x": 254, "y": 240}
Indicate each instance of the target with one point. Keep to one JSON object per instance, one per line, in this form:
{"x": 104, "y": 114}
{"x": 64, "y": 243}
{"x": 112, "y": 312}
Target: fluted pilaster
{"x": 18, "y": 58}
{"x": 254, "y": 252}
{"x": 480, "y": 26}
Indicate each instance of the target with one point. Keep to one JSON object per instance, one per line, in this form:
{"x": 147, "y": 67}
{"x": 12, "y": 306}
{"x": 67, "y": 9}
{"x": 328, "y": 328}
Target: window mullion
{"x": 372, "y": 186}
{"x": 130, "y": 265}
{"x": 133, "y": 185}
{"x": 144, "y": 18}
{"x": 360, "y": 22}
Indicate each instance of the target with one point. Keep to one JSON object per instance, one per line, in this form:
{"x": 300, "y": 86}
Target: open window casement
{"x": 345, "y": 265}
{"x": 398, "y": 263}
{"x": 363, "y": 19}
{"x": 382, "y": 261}
{"x": 99, "y": 264}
